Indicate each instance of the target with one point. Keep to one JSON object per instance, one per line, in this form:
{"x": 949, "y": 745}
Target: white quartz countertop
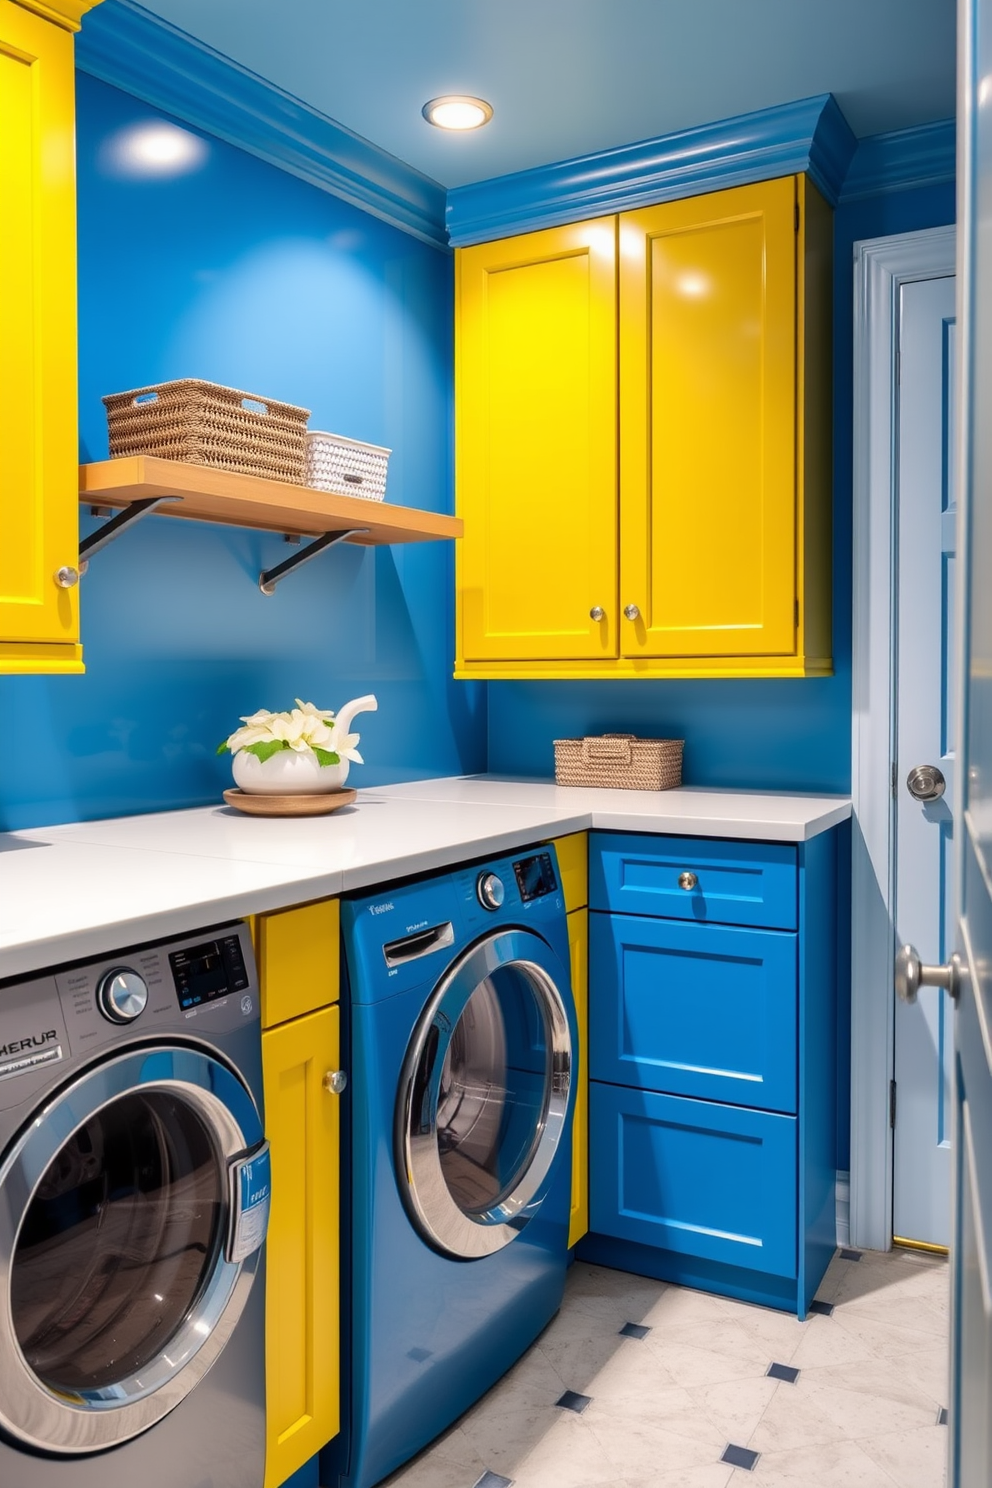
{"x": 87, "y": 889}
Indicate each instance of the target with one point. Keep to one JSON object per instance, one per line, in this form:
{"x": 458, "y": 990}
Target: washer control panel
{"x": 490, "y": 890}
{"x": 122, "y": 994}
{"x": 535, "y": 876}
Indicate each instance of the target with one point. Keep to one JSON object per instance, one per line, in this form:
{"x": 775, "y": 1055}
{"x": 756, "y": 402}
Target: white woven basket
{"x": 345, "y": 466}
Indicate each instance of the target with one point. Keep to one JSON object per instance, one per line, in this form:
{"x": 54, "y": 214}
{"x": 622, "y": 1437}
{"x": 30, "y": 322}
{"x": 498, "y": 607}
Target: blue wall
{"x": 776, "y": 735}
{"x": 238, "y": 272}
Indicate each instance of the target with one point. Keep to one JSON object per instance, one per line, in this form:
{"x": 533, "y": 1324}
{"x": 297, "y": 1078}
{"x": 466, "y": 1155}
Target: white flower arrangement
{"x": 305, "y": 729}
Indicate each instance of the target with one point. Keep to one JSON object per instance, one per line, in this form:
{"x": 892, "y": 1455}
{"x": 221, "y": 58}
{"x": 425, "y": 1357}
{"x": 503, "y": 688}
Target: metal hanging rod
{"x": 268, "y": 580}
{"x": 125, "y": 518}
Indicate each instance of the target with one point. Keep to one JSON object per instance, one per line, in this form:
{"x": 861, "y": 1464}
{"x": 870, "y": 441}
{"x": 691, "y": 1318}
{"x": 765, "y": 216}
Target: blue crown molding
{"x": 123, "y": 44}
{"x": 924, "y": 156}
{"x": 811, "y": 135}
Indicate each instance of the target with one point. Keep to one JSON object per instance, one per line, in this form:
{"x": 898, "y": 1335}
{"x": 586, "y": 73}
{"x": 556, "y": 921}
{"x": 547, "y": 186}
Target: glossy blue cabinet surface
{"x": 736, "y": 883}
{"x": 697, "y": 1010}
{"x": 694, "y": 1177}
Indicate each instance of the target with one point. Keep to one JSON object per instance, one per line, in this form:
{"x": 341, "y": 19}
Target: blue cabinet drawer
{"x": 735, "y": 883}
{"x": 693, "y": 1177}
{"x": 707, "y": 1011}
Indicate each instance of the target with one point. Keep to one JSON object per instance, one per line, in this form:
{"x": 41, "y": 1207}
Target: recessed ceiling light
{"x": 457, "y": 111}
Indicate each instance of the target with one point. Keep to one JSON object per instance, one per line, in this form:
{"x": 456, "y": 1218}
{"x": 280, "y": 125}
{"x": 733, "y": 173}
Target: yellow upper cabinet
{"x": 535, "y": 396}
{"x": 721, "y": 403}
{"x": 39, "y": 501}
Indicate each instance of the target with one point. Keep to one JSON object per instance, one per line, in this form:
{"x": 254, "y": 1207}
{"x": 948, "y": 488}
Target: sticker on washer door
{"x": 251, "y": 1193}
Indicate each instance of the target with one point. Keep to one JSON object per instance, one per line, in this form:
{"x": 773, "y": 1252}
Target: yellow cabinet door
{"x": 302, "y": 1330}
{"x": 578, "y": 944}
{"x": 39, "y": 488}
{"x": 708, "y": 367}
{"x": 535, "y": 399}
{"x": 299, "y": 958}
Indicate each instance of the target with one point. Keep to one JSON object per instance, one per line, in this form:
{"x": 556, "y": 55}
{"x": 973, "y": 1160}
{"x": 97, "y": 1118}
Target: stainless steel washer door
{"x": 484, "y": 1095}
{"x": 119, "y": 1282}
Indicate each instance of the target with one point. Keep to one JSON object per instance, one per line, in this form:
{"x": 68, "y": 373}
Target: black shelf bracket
{"x": 124, "y": 518}
{"x": 268, "y": 580}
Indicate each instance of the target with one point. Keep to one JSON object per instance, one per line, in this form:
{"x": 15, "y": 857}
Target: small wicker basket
{"x": 621, "y": 761}
{"x": 207, "y": 424}
{"x": 346, "y": 466}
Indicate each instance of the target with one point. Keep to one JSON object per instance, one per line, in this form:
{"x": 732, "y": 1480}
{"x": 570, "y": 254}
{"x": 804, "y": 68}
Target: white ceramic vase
{"x": 286, "y": 774}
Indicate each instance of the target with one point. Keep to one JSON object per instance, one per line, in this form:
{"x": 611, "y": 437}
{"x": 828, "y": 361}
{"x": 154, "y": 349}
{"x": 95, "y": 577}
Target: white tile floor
{"x": 663, "y": 1409}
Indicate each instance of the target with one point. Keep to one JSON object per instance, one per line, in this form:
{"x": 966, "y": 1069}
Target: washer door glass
{"x": 121, "y": 1231}
{"x": 118, "y": 1242}
{"x": 484, "y": 1096}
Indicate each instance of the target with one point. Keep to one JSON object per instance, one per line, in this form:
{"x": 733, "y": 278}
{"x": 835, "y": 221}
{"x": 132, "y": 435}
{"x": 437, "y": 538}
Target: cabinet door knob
{"x": 632, "y": 612}
{"x": 911, "y": 974}
{"x": 66, "y": 576}
{"x": 597, "y": 613}
{"x": 687, "y": 881}
{"x": 335, "y": 1081}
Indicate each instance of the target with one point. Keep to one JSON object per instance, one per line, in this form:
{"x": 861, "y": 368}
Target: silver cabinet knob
{"x": 911, "y": 975}
{"x": 122, "y": 994}
{"x": 632, "y": 612}
{"x": 597, "y": 613}
{"x": 66, "y": 576}
{"x": 335, "y": 1081}
{"x": 687, "y": 881}
{"x": 926, "y": 783}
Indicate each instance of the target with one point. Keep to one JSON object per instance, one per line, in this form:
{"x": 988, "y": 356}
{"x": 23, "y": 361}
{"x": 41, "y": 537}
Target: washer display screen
{"x": 535, "y": 876}
{"x": 205, "y": 972}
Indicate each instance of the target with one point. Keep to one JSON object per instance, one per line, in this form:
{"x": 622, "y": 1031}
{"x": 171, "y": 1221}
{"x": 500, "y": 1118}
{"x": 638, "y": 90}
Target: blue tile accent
{"x": 123, "y": 44}
{"x": 811, "y": 135}
{"x": 850, "y": 1255}
{"x": 942, "y": 1416}
{"x": 573, "y": 1401}
{"x": 924, "y": 156}
{"x": 740, "y": 1457}
{"x": 634, "y": 1330}
{"x": 822, "y": 1309}
{"x": 783, "y": 1372}
{"x": 493, "y": 1480}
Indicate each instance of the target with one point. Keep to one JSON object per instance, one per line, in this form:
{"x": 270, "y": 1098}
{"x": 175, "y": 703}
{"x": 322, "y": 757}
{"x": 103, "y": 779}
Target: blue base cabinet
{"x": 712, "y": 992}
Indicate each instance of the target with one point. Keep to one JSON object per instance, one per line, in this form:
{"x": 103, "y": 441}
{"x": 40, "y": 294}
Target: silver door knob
{"x": 632, "y": 612}
{"x": 597, "y": 613}
{"x": 335, "y": 1081}
{"x": 122, "y": 994}
{"x": 911, "y": 975}
{"x": 926, "y": 783}
{"x": 66, "y": 576}
{"x": 687, "y": 881}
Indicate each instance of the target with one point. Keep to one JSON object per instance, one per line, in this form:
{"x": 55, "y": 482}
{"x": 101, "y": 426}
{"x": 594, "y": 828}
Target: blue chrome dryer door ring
{"x": 484, "y": 1095}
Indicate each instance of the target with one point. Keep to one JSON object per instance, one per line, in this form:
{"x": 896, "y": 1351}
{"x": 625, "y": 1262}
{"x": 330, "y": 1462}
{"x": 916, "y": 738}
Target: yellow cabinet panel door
{"x": 578, "y": 943}
{"x": 573, "y": 868}
{"x": 535, "y": 378}
{"x": 302, "y": 1331}
{"x": 298, "y": 955}
{"x": 708, "y": 424}
{"x": 39, "y": 501}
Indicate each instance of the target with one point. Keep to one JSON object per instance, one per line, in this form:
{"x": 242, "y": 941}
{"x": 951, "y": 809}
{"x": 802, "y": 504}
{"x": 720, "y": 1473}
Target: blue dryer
{"x": 462, "y": 1040}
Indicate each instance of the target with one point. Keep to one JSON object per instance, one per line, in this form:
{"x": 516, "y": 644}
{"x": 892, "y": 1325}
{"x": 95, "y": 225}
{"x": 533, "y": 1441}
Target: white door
{"x": 924, "y": 752}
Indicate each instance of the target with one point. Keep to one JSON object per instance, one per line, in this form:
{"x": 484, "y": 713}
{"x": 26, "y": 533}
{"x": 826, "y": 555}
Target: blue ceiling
{"x": 569, "y": 77}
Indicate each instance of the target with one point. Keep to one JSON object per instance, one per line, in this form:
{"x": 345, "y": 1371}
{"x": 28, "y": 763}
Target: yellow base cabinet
{"x": 302, "y": 1334}
{"x": 39, "y": 486}
{"x": 712, "y": 550}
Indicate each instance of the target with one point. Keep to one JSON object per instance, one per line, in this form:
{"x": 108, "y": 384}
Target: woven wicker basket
{"x": 334, "y": 463}
{"x": 622, "y": 761}
{"x": 207, "y": 424}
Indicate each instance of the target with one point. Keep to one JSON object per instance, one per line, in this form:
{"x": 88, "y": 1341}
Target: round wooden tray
{"x": 318, "y": 804}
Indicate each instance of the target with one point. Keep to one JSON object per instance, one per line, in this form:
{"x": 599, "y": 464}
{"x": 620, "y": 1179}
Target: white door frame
{"x": 881, "y": 267}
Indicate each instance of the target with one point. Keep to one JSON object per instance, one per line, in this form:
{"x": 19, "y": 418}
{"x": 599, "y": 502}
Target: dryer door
{"x": 131, "y": 1213}
{"x": 484, "y": 1096}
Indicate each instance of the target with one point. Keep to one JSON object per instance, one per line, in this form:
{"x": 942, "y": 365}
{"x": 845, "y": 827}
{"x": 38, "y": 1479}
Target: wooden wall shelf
{"x": 207, "y": 495}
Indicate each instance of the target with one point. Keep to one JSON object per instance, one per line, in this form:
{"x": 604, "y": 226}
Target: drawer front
{"x": 707, "y": 1011}
{"x": 735, "y": 883}
{"x": 693, "y": 1177}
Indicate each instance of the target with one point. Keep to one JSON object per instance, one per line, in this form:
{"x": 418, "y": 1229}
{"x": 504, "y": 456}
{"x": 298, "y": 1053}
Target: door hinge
{"x": 797, "y": 216}
{"x": 892, "y": 1103}
{"x": 894, "y": 779}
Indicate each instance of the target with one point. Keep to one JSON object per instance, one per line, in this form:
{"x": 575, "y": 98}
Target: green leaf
{"x": 266, "y": 748}
{"x": 222, "y": 748}
{"x": 326, "y": 756}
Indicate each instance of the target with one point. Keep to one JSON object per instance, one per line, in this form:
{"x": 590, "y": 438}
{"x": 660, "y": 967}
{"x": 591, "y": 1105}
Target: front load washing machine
{"x": 462, "y": 1038}
{"x": 134, "y": 1192}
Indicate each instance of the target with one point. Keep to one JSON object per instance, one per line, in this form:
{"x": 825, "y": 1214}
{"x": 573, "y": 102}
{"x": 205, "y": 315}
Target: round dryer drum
{"x": 484, "y": 1095}
{"x": 122, "y": 1246}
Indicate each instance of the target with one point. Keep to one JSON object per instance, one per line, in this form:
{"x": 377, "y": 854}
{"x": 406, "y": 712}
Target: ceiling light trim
{"x": 810, "y": 135}
{"x": 126, "y": 46}
{"x": 468, "y": 100}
